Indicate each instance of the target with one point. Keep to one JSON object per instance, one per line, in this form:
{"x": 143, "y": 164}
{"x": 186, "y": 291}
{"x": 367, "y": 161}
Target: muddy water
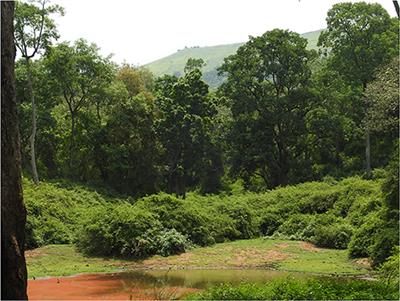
{"x": 160, "y": 285}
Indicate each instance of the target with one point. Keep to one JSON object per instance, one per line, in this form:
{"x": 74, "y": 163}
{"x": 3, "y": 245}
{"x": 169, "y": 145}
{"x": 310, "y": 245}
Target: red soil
{"x": 98, "y": 287}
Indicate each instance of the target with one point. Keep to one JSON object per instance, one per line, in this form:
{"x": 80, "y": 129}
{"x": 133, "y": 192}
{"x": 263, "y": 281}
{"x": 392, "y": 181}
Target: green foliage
{"x": 265, "y": 134}
{"x": 385, "y": 239}
{"x": 382, "y": 99}
{"x": 126, "y": 147}
{"x": 363, "y": 237}
{"x": 269, "y": 223}
{"x": 333, "y": 236}
{"x": 361, "y": 37}
{"x": 171, "y": 242}
{"x": 55, "y": 209}
{"x": 390, "y": 186}
{"x": 80, "y": 77}
{"x": 34, "y": 29}
{"x": 184, "y": 129}
{"x": 118, "y": 230}
{"x": 389, "y": 271}
{"x": 301, "y": 289}
{"x": 103, "y": 225}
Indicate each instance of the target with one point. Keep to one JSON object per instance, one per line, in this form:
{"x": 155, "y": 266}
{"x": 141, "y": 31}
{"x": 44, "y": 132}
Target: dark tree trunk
{"x": 13, "y": 213}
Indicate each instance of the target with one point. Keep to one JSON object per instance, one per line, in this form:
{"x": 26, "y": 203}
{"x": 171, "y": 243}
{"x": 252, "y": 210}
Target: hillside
{"x": 212, "y": 55}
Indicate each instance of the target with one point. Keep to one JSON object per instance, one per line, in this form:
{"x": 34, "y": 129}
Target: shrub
{"x": 243, "y": 220}
{"x": 384, "y": 240}
{"x": 118, "y": 230}
{"x": 269, "y": 223}
{"x": 389, "y": 271}
{"x": 170, "y": 242}
{"x": 319, "y": 202}
{"x": 295, "y": 225}
{"x": 333, "y": 236}
{"x": 363, "y": 238}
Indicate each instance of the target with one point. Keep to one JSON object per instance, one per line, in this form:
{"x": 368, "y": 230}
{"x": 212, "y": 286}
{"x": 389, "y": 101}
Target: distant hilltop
{"x": 212, "y": 55}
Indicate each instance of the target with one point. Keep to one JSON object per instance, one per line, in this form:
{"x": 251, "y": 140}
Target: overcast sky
{"x": 141, "y": 31}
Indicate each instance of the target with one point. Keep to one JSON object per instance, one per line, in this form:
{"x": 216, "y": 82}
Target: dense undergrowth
{"x": 300, "y": 289}
{"x": 336, "y": 214}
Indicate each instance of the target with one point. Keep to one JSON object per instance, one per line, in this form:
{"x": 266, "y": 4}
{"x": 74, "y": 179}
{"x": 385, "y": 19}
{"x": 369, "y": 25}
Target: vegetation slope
{"x": 334, "y": 214}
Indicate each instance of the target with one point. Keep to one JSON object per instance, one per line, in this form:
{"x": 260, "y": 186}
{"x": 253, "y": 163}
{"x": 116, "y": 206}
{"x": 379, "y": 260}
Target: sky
{"x": 141, "y": 31}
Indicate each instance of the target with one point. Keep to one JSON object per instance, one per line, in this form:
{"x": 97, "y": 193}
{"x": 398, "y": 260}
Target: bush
{"x": 389, "y": 271}
{"x": 319, "y": 202}
{"x": 363, "y": 238}
{"x": 384, "y": 240}
{"x": 333, "y": 236}
{"x": 295, "y": 225}
{"x": 170, "y": 242}
{"x": 243, "y": 220}
{"x": 269, "y": 223}
{"x": 118, "y": 230}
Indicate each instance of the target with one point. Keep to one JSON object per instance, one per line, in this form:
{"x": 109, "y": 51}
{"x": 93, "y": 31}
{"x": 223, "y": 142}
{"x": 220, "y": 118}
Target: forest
{"x": 296, "y": 147}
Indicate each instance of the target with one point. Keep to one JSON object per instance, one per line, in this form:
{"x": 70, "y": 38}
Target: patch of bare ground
{"x": 282, "y": 245}
{"x": 256, "y": 257}
{"x": 33, "y": 253}
{"x": 364, "y": 262}
{"x": 309, "y": 247}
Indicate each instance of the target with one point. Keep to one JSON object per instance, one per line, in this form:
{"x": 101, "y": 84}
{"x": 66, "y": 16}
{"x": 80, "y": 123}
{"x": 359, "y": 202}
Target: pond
{"x": 142, "y": 284}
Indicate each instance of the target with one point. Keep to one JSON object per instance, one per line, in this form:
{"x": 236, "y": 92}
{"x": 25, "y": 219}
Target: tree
{"x": 34, "y": 31}
{"x": 334, "y": 142}
{"x": 135, "y": 79}
{"x": 183, "y": 127}
{"x": 127, "y": 149}
{"x": 48, "y": 140}
{"x": 13, "y": 212}
{"x": 193, "y": 64}
{"x": 265, "y": 85}
{"x": 80, "y": 76}
{"x": 361, "y": 37}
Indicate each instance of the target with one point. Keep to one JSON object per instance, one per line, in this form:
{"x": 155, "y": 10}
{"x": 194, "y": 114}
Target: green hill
{"x": 212, "y": 55}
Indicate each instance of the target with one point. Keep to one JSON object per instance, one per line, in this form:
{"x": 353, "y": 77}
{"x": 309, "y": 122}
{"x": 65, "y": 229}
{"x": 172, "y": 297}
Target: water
{"x": 146, "y": 284}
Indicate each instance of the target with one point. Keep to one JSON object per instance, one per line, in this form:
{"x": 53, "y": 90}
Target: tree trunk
{"x": 368, "y": 151}
{"x": 367, "y": 137}
{"x": 34, "y": 124}
{"x": 72, "y": 143}
{"x": 13, "y": 212}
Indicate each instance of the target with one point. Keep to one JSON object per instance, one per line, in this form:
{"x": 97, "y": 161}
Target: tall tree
{"x": 34, "y": 31}
{"x": 183, "y": 127}
{"x": 80, "y": 76}
{"x": 265, "y": 85}
{"x": 13, "y": 212}
{"x": 360, "y": 37}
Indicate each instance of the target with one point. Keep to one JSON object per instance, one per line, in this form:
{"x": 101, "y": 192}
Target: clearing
{"x": 261, "y": 253}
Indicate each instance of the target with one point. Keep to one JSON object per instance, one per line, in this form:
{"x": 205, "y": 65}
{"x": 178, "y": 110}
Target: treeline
{"x": 284, "y": 115}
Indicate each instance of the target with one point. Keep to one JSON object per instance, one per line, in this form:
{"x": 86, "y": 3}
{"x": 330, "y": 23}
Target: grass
{"x": 301, "y": 289}
{"x": 64, "y": 260}
{"x": 284, "y": 255}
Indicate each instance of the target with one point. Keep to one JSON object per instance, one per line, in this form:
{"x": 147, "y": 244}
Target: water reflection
{"x": 143, "y": 284}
